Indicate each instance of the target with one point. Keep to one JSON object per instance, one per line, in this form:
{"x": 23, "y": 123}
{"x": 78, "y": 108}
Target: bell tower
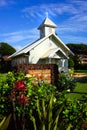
{"x": 47, "y": 27}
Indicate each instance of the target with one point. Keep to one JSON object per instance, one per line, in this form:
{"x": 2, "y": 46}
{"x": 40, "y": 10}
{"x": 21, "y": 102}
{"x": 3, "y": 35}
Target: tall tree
{"x": 78, "y": 48}
{"x": 6, "y": 49}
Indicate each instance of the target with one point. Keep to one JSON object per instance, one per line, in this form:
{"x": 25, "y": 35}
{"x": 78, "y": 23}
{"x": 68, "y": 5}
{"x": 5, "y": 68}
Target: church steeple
{"x": 47, "y": 27}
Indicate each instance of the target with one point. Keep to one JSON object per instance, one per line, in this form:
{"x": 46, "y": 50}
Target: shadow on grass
{"x": 82, "y": 79}
{"x": 80, "y": 89}
{"x": 80, "y": 92}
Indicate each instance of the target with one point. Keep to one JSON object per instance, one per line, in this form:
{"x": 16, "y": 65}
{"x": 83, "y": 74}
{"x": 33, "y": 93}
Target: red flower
{"x": 13, "y": 93}
{"x": 20, "y": 85}
{"x": 40, "y": 77}
{"x": 23, "y": 99}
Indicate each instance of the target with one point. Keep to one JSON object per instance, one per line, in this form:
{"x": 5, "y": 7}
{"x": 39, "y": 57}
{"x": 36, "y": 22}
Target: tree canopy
{"x": 6, "y": 49}
{"x": 78, "y": 48}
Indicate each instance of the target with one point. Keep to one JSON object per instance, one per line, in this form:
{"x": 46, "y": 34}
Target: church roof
{"x": 52, "y": 53}
{"x": 29, "y": 47}
{"x": 47, "y": 22}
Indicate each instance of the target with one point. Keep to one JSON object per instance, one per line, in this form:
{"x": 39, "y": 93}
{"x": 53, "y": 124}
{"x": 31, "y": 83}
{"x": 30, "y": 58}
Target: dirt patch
{"x": 82, "y": 75}
{"x": 79, "y": 75}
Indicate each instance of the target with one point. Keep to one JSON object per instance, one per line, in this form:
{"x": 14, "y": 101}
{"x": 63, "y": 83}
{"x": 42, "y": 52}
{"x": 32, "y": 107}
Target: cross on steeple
{"x": 46, "y": 14}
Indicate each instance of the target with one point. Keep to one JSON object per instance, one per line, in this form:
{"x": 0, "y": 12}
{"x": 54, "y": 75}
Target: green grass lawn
{"x": 81, "y": 71}
{"x": 81, "y": 86}
{"x": 80, "y": 89}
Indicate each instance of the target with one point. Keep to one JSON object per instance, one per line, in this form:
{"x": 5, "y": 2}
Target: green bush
{"x": 48, "y": 119}
{"x": 18, "y": 95}
{"x": 65, "y": 82}
{"x": 32, "y": 104}
{"x": 75, "y": 113}
{"x": 62, "y": 114}
{"x": 70, "y": 63}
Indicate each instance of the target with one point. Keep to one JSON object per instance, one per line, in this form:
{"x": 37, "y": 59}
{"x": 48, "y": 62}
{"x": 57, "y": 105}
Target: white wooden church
{"x": 48, "y": 49}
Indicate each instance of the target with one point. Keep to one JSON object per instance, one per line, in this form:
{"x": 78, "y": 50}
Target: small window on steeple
{"x": 50, "y": 30}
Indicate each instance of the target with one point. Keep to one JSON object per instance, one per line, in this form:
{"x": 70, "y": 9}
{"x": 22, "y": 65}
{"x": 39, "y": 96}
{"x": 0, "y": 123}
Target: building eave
{"x": 62, "y": 43}
{"x": 29, "y": 47}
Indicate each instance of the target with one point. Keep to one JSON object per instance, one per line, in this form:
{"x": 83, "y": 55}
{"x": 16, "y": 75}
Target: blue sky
{"x": 19, "y": 20}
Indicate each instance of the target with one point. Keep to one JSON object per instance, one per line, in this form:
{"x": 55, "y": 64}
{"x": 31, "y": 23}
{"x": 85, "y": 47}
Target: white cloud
{"x": 52, "y": 9}
{"x": 3, "y": 3}
{"x": 75, "y": 21}
{"x": 17, "y": 47}
{"x": 6, "y": 2}
{"x": 22, "y": 37}
{"x": 71, "y": 8}
{"x": 73, "y": 11}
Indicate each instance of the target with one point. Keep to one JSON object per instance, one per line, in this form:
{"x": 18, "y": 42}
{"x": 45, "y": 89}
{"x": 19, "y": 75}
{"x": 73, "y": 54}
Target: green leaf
{"x": 5, "y": 122}
{"x": 44, "y": 109}
{"x": 38, "y": 109}
{"x": 50, "y": 112}
{"x": 34, "y": 122}
{"x": 57, "y": 118}
{"x": 69, "y": 127}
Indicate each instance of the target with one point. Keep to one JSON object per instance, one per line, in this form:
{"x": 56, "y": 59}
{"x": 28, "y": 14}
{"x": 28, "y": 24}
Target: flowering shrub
{"x": 20, "y": 86}
{"x": 66, "y": 82}
{"x": 19, "y": 96}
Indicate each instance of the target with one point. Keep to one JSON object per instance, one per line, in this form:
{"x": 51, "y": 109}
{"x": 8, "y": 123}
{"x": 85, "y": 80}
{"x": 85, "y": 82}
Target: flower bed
{"x": 38, "y": 106}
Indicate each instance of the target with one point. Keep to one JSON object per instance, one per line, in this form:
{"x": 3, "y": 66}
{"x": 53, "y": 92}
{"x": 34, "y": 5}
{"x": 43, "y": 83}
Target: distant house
{"x": 46, "y": 50}
{"x": 83, "y": 58}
